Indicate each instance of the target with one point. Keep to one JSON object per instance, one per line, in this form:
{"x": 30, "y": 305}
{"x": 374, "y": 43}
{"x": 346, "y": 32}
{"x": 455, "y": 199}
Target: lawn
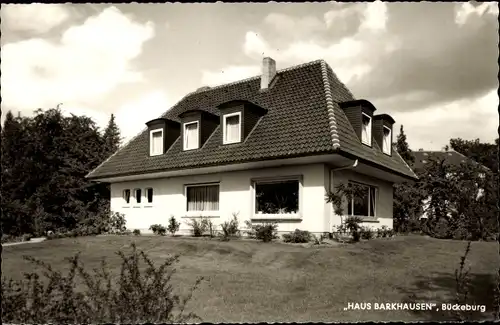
{"x": 247, "y": 281}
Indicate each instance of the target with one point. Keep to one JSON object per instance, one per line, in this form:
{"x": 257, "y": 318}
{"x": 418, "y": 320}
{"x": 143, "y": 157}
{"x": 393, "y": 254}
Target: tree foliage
{"x": 403, "y": 148}
{"x": 407, "y": 195}
{"x": 44, "y": 162}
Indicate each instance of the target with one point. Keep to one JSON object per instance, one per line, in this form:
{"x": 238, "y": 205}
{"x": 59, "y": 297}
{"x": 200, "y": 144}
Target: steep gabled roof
{"x": 450, "y": 157}
{"x": 303, "y": 118}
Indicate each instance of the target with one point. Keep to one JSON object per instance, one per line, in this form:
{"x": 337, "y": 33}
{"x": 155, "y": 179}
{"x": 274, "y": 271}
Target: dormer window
{"x": 366, "y": 129}
{"x": 232, "y": 128}
{"x": 191, "y": 135}
{"x": 387, "y": 141}
{"x": 156, "y": 142}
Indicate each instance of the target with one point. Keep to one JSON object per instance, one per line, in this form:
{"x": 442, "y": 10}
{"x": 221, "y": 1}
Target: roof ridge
{"x": 329, "y": 69}
{"x": 329, "y": 106}
{"x": 394, "y": 149}
{"x": 298, "y": 66}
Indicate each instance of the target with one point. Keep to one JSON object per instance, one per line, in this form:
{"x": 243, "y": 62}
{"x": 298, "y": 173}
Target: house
{"x": 266, "y": 149}
{"x": 448, "y": 157}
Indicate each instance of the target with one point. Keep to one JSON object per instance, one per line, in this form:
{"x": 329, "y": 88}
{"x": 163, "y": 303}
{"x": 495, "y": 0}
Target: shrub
{"x": 298, "y": 236}
{"x": 158, "y": 229}
{"x": 140, "y": 294}
{"x": 173, "y": 225}
{"x": 198, "y": 227}
{"x": 136, "y": 232}
{"x": 266, "y": 232}
{"x": 352, "y": 225}
{"x": 14, "y": 239}
{"x": 462, "y": 279}
{"x": 318, "y": 240}
{"x": 117, "y": 223}
{"x": 385, "y": 232}
{"x": 366, "y": 233}
{"x": 250, "y": 232}
{"x": 210, "y": 227}
{"x": 230, "y": 228}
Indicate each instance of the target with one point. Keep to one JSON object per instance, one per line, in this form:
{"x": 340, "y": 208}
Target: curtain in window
{"x": 191, "y": 136}
{"x": 233, "y": 128}
{"x": 373, "y": 200}
{"x": 156, "y": 143}
{"x": 366, "y": 131}
{"x": 203, "y": 198}
{"x": 387, "y": 140}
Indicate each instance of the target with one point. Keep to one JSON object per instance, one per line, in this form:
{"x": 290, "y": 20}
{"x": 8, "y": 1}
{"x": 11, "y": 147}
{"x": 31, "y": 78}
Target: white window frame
{"x": 270, "y": 180}
{"x": 369, "y": 129}
{"x": 129, "y": 196}
{"x": 197, "y": 135}
{"x": 387, "y": 151}
{"x": 146, "y": 202}
{"x": 151, "y": 153}
{"x": 369, "y": 200}
{"x": 224, "y": 135}
{"x": 200, "y": 213}
{"x": 135, "y": 196}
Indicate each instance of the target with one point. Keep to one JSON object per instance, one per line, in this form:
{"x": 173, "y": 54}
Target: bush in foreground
{"x": 135, "y": 296}
{"x": 298, "y": 236}
{"x": 230, "y": 228}
{"x": 198, "y": 227}
{"x": 266, "y": 232}
{"x": 173, "y": 225}
{"x": 158, "y": 229}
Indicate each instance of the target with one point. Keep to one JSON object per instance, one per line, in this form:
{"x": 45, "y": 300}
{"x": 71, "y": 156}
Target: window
{"x": 202, "y": 197}
{"x": 126, "y": 195}
{"x": 366, "y": 129}
{"x": 364, "y": 203}
{"x": 232, "y": 128}
{"x": 138, "y": 193}
{"x": 387, "y": 141}
{"x": 156, "y": 142}
{"x": 277, "y": 197}
{"x": 149, "y": 195}
{"x": 191, "y": 135}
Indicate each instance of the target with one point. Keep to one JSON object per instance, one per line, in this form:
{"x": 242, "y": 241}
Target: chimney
{"x": 268, "y": 73}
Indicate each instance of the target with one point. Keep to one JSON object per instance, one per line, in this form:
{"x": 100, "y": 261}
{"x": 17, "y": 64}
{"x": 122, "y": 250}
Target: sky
{"x": 432, "y": 66}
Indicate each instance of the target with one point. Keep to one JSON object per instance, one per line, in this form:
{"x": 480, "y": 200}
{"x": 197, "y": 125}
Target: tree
{"x": 483, "y": 153}
{"x": 14, "y": 217}
{"x": 403, "y": 148}
{"x": 112, "y": 137}
{"x": 461, "y": 202}
{"x": 46, "y": 158}
{"x": 407, "y": 197}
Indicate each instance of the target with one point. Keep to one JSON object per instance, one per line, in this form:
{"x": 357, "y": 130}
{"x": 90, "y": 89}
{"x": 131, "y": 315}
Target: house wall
{"x": 384, "y": 203}
{"x": 235, "y": 197}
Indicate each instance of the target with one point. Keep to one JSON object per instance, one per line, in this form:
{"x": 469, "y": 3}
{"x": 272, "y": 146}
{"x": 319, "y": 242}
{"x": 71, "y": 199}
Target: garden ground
{"x": 250, "y": 281}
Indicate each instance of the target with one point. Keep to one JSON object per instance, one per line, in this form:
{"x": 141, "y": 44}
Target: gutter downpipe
{"x": 354, "y": 165}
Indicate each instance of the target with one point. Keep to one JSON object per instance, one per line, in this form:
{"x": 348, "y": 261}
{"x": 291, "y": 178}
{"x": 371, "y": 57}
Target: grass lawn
{"x": 250, "y": 281}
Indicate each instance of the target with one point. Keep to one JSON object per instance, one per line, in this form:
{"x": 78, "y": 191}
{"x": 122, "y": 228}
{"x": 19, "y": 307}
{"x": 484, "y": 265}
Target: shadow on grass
{"x": 443, "y": 286}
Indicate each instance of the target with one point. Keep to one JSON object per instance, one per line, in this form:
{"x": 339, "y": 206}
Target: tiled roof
{"x": 303, "y": 118}
{"x": 450, "y": 157}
